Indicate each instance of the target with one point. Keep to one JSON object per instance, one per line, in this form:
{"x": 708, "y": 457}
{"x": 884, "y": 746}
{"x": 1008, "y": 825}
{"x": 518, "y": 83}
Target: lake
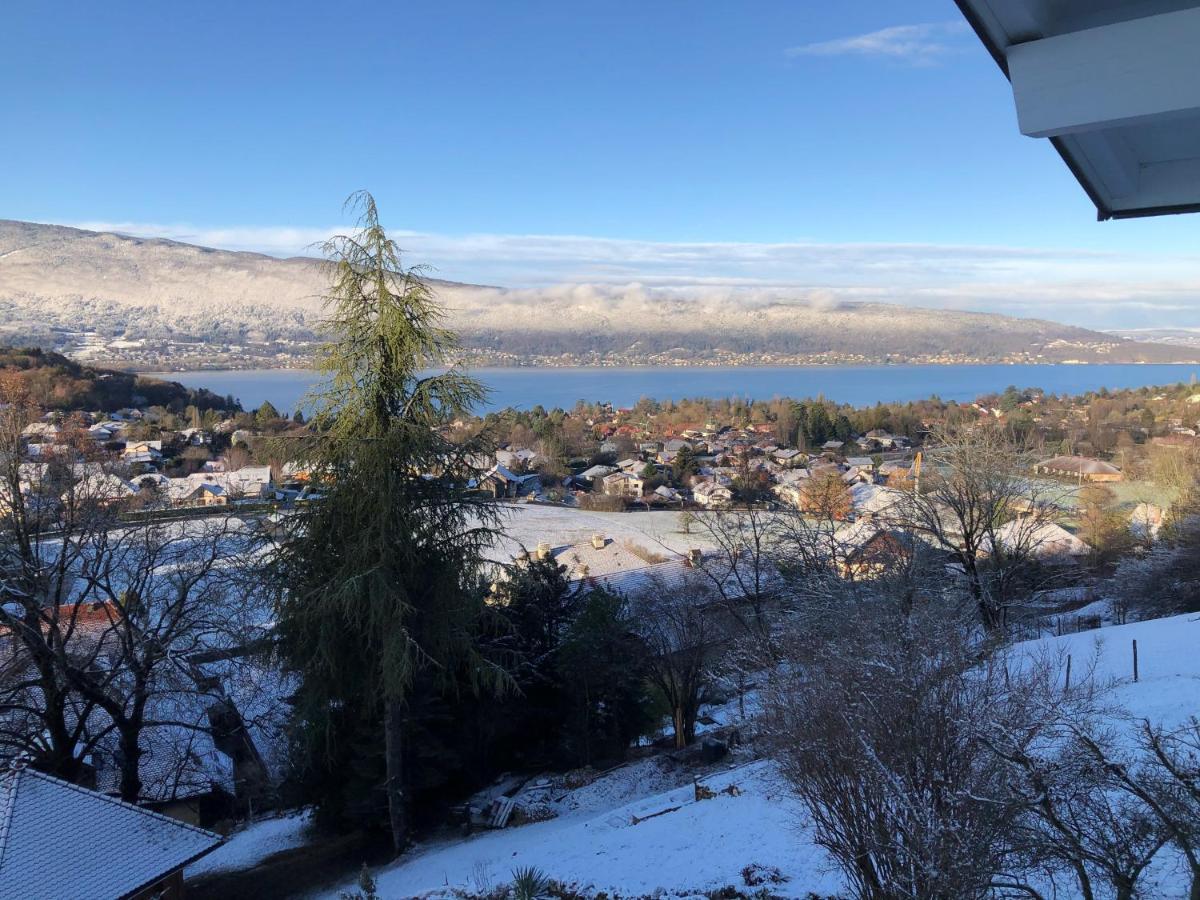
{"x": 856, "y": 385}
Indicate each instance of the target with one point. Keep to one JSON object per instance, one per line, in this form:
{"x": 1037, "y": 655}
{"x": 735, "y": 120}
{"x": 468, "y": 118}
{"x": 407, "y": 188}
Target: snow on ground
{"x": 252, "y": 844}
{"x": 691, "y": 847}
{"x": 1168, "y": 689}
{"x": 1167, "y": 693}
{"x": 527, "y": 525}
{"x": 701, "y": 845}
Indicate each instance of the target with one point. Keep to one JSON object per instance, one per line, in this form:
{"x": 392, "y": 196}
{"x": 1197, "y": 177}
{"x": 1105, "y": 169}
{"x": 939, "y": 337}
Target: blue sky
{"x": 866, "y": 149}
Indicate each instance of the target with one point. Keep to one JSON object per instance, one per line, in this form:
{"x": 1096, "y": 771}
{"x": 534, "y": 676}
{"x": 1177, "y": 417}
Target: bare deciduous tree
{"x": 979, "y": 505}
{"x": 741, "y": 573}
{"x": 681, "y": 634}
{"x": 102, "y": 618}
{"x": 879, "y": 729}
{"x": 1163, "y": 775}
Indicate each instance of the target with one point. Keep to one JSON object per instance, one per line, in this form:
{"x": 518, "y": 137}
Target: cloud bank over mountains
{"x": 1078, "y": 286}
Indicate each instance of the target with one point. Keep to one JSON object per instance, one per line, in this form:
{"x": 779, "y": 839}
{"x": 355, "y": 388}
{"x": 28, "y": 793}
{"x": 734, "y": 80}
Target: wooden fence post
{"x": 1068, "y": 687}
{"x": 1135, "y": 660}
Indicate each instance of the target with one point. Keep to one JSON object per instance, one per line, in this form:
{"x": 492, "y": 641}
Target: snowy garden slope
{"x": 705, "y": 844}
{"x": 698, "y": 845}
{"x": 252, "y": 844}
{"x": 1168, "y": 688}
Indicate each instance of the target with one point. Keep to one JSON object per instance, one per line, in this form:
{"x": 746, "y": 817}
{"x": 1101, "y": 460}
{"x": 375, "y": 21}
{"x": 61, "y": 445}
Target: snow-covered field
{"x": 527, "y": 525}
{"x": 1168, "y": 686}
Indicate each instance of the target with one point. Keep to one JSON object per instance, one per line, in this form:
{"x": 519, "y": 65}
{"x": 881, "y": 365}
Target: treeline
{"x": 1102, "y": 422}
{"x": 54, "y": 382}
{"x": 806, "y": 423}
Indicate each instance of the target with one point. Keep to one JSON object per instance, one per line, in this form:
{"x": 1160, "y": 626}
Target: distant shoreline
{"x": 158, "y": 372}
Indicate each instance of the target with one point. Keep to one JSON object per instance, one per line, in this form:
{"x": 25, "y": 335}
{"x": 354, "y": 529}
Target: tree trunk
{"x": 681, "y": 739}
{"x": 393, "y": 739}
{"x": 131, "y": 760}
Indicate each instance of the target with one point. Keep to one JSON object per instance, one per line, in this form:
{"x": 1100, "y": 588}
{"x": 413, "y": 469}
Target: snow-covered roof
{"x": 61, "y": 840}
{"x": 1078, "y": 465}
{"x": 854, "y": 537}
{"x": 710, "y": 576}
{"x": 103, "y": 487}
{"x": 1045, "y": 540}
{"x": 614, "y": 477}
{"x": 585, "y": 559}
{"x": 505, "y": 474}
{"x": 247, "y": 481}
{"x": 596, "y": 472}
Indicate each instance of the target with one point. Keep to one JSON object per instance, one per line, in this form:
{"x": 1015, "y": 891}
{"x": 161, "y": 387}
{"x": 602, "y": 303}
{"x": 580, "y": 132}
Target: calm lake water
{"x": 857, "y": 385}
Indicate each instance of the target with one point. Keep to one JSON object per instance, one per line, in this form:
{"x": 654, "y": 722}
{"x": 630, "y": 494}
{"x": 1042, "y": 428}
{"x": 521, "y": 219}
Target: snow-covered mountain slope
{"x": 54, "y": 276}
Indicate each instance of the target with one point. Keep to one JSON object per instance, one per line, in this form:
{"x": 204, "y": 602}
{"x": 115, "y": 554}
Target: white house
{"x": 712, "y": 494}
{"x": 624, "y": 484}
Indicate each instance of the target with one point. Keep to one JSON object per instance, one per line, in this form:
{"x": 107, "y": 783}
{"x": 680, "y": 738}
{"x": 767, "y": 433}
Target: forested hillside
{"x": 55, "y": 382}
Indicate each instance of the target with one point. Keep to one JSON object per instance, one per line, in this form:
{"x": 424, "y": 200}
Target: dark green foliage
{"x": 267, "y": 413}
{"x": 684, "y": 466}
{"x": 578, "y": 668}
{"x": 536, "y": 606}
{"x": 602, "y": 666}
{"x": 381, "y": 593}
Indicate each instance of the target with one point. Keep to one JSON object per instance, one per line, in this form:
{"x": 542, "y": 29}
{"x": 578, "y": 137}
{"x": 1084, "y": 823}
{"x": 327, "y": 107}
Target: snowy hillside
{"x": 596, "y": 842}
{"x": 156, "y": 289}
{"x": 1168, "y": 688}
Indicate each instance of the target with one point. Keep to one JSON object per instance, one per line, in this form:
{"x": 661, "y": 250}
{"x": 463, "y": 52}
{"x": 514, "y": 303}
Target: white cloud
{"x": 1084, "y": 287}
{"x": 922, "y": 44}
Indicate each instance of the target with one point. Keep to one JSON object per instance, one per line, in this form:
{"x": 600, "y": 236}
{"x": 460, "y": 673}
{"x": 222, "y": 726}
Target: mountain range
{"x": 155, "y": 302}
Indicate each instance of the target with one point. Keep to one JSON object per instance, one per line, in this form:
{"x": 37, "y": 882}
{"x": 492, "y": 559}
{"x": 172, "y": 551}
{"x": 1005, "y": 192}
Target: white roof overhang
{"x": 1114, "y": 86}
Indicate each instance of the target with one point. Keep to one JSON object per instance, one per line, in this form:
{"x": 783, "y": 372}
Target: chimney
{"x": 543, "y": 550}
{"x": 598, "y": 541}
{"x": 693, "y": 558}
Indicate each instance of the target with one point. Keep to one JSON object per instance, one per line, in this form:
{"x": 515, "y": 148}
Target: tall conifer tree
{"x": 381, "y": 578}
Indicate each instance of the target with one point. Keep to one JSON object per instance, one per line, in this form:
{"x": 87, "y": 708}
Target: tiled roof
{"x": 61, "y": 840}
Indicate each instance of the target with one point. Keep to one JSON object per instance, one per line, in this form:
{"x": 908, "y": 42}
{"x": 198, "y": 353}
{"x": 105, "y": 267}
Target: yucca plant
{"x": 530, "y": 883}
